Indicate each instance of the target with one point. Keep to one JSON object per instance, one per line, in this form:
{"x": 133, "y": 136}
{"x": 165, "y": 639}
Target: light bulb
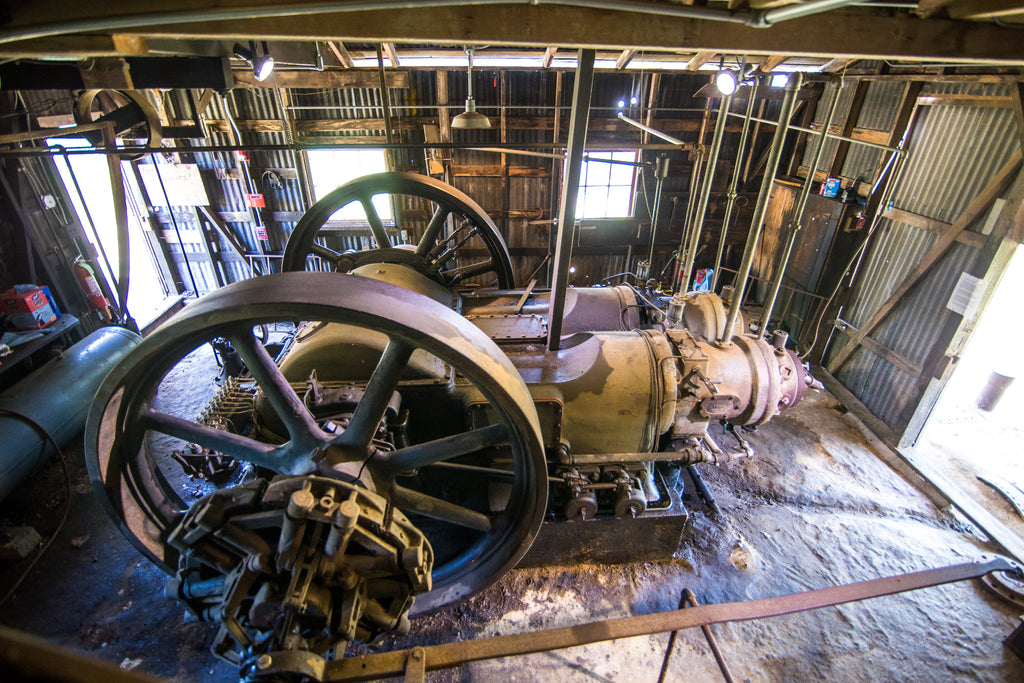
{"x": 622, "y": 103}
{"x": 633, "y": 100}
{"x": 725, "y": 81}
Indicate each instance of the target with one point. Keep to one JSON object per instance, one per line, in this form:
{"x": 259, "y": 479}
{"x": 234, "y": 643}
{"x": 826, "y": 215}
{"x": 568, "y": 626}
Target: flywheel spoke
{"x": 421, "y": 455}
{"x": 379, "y": 390}
{"x": 408, "y": 500}
{"x": 434, "y": 228}
{"x": 380, "y": 235}
{"x": 301, "y": 426}
{"x": 472, "y": 270}
{"x": 327, "y": 254}
{"x": 238, "y": 447}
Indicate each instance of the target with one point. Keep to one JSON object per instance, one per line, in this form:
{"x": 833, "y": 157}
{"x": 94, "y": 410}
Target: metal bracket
{"x": 416, "y": 666}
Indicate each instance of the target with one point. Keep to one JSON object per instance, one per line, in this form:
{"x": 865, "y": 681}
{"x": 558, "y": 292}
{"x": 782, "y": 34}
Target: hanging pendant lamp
{"x": 470, "y": 118}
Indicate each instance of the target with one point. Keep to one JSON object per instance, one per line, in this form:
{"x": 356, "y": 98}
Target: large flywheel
{"x": 392, "y": 423}
{"x": 455, "y": 242}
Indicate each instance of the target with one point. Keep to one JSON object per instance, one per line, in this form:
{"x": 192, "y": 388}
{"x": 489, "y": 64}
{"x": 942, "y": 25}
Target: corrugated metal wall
{"x": 954, "y": 152}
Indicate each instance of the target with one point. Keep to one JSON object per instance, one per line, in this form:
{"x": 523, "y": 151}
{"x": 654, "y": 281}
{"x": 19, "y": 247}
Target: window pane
{"x": 331, "y": 168}
{"x": 618, "y": 202}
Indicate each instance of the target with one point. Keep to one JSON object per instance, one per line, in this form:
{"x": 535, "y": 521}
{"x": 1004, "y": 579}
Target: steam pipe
{"x": 730, "y": 201}
{"x": 757, "y": 19}
{"x": 762, "y": 205}
{"x": 794, "y": 221}
{"x": 705, "y": 194}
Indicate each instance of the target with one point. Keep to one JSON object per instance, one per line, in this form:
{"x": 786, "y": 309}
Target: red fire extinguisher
{"x": 87, "y": 279}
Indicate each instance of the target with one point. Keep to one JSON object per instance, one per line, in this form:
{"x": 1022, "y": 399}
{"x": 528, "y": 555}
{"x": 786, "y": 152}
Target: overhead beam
{"x": 699, "y": 60}
{"x": 341, "y": 53}
{"x": 985, "y": 9}
{"x": 771, "y": 62}
{"x": 392, "y": 52}
{"x": 76, "y": 47}
{"x": 549, "y": 55}
{"x": 863, "y": 35}
{"x": 361, "y": 78}
{"x": 837, "y": 64}
{"x": 624, "y": 59}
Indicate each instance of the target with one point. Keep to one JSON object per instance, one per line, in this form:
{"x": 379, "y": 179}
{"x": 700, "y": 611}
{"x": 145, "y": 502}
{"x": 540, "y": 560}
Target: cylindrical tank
{"x": 57, "y": 396}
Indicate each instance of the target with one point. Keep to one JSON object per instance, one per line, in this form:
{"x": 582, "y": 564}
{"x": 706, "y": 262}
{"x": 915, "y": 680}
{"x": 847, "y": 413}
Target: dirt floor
{"x": 815, "y": 508}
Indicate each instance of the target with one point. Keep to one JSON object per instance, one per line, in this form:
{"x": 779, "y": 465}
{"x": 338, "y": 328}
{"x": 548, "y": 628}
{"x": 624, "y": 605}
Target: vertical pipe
{"x": 762, "y": 204}
{"x": 570, "y": 189}
{"x": 797, "y": 216}
{"x": 730, "y": 197}
{"x": 705, "y": 194}
{"x": 660, "y": 173}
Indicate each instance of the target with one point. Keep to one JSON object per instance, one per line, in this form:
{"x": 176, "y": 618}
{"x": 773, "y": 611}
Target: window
{"x": 330, "y": 168}
{"x": 606, "y": 190}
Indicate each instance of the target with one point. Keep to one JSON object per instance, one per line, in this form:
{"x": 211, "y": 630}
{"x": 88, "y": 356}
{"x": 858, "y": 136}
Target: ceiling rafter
{"x": 699, "y": 60}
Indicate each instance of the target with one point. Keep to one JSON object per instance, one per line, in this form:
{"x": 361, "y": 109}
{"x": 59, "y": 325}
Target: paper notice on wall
{"x": 183, "y": 183}
{"x": 967, "y": 295}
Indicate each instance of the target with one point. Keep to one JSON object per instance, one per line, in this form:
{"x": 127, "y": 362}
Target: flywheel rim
{"x": 138, "y": 497}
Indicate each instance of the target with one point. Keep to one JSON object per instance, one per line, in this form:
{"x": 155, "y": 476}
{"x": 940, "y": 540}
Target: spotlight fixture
{"x": 259, "y": 59}
{"x": 726, "y": 81}
{"x": 633, "y": 100}
{"x": 621, "y": 104}
{"x": 470, "y": 118}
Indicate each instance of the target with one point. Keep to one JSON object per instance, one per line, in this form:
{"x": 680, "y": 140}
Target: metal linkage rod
{"x": 653, "y": 131}
{"x": 385, "y": 665}
{"x": 705, "y": 194}
{"x": 570, "y": 189}
{"x": 794, "y": 221}
{"x": 818, "y": 133}
{"x": 756, "y": 223}
{"x": 730, "y": 200}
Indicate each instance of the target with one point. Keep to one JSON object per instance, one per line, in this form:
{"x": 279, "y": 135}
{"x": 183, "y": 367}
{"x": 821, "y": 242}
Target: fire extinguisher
{"x": 87, "y": 279}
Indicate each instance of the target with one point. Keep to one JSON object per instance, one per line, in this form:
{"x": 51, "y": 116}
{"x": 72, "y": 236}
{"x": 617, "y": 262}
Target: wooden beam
{"x": 837, "y": 64}
{"x": 899, "y": 360}
{"x": 392, "y": 53}
{"x": 494, "y": 171}
{"x": 699, "y": 60}
{"x": 978, "y": 10}
{"x": 76, "y": 47}
{"x": 978, "y": 206}
{"x": 244, "y": 78}
{"x": 652, "y": 103}
{"x": 549, "y": 55}
{"x": 968, "y": 237}
{"x": 955, "y": 100}
{"x": 863, "y": 34}
{"x": 1017, "y": 96}
{"x": 341, "y": 53}
{"x": 852, "y": 114}
{"x": 624, "y": 59}
{"x": 769, "y": 63}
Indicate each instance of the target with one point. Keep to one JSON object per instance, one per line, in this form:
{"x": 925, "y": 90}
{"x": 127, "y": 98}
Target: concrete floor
{"x": 815, "y": 508}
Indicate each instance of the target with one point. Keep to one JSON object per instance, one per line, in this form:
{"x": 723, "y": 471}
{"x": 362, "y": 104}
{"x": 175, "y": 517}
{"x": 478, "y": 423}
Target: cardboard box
{"x": 29, "y": 309}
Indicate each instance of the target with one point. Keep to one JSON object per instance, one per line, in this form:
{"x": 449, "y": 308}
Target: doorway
{"x": 146, "y": 294}
{"x": 982, "y": 451}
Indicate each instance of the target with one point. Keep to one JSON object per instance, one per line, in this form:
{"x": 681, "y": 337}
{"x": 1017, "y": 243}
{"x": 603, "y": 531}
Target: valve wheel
{"x": 456, "y": 225}
{"x": 129, "y": 436}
